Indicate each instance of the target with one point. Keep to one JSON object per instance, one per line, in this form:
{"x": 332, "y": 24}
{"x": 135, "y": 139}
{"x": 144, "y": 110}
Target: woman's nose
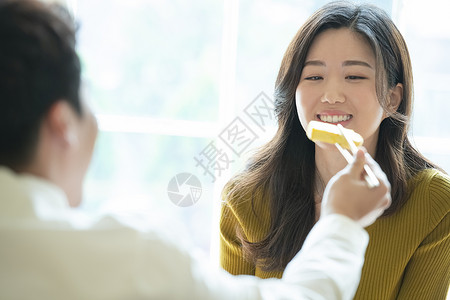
{"x": 333, "y": 94}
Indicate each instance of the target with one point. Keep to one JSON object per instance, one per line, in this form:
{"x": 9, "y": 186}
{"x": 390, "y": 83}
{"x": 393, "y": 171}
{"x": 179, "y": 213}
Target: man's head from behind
{"x": 44, "y": 127}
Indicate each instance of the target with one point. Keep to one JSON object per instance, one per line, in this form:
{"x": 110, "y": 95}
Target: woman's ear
{"x": 395, "y": 98}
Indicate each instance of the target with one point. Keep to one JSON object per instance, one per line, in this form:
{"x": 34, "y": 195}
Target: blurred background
{"x": 186, "y": 87}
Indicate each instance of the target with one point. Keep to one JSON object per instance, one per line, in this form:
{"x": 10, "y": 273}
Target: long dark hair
{"x": 284, "y": 169}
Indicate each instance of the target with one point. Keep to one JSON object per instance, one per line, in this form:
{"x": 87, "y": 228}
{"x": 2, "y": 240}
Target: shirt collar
{"x": 27, "y": 195}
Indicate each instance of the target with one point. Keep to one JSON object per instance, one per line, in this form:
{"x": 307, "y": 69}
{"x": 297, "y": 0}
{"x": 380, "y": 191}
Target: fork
{"x": 371, "y": 179}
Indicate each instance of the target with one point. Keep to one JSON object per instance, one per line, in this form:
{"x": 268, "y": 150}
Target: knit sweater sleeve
{"x": 427, "y": 275}
{"x": 231, "y": 256}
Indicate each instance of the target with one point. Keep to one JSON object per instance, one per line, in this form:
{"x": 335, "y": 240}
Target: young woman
{"x": 347, "y": 64}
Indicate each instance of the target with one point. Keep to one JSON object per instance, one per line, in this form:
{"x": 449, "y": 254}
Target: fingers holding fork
{"x": 370, "y": 177}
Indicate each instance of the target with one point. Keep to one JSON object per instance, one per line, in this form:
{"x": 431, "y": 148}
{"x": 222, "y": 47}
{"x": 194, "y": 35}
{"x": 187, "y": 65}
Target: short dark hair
{"x": 38, "y": 66}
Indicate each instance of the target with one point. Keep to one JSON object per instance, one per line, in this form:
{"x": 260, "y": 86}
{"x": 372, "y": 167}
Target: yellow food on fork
{"x": 330, "y": 133}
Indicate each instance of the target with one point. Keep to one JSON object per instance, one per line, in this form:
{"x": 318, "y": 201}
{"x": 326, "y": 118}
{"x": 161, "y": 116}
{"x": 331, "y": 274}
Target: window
{"x": 427, "y": 34}
{"x": 151, "y": 73}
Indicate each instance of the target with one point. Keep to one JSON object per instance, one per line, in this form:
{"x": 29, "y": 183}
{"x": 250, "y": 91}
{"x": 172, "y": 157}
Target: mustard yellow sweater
{"x": 408, "y": 256}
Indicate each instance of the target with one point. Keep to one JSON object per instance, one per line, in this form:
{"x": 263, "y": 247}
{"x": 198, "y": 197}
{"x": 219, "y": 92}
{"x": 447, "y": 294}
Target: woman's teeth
{"x": 334, "y": 118}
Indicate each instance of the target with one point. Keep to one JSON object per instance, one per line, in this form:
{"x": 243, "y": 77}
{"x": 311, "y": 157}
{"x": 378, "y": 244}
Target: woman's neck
{"x": 329, "y": 161}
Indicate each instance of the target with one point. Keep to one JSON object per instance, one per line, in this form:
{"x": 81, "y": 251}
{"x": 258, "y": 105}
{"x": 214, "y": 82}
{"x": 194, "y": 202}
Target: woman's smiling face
{"x": 337, "y": 84}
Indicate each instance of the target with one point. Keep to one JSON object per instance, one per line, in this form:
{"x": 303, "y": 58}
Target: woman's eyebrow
{"x": 346, "y": 63}
{"x": 356, "y": 63}
{"x": 314, "y": 63}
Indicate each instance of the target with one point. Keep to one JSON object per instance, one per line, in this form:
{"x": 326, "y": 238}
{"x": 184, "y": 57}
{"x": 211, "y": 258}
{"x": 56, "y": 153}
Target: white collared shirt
{"x": 47, "y": 251}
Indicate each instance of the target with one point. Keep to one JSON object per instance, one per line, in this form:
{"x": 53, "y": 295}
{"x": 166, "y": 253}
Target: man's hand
{"x": 347, "y": 192}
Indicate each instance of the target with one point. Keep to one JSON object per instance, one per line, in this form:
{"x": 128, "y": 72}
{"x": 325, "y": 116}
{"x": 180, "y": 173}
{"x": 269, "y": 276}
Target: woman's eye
{"x": 352, "y": 77}
{"x": 313, "y": 78}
